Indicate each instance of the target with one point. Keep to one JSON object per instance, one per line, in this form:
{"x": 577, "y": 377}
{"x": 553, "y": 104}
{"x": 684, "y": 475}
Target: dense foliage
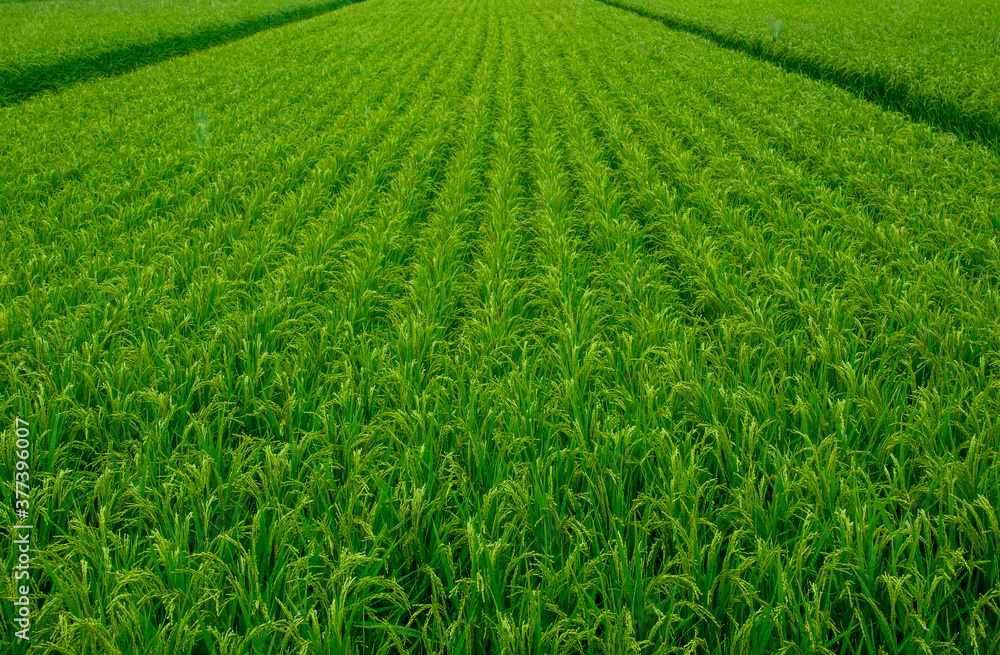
{"x": 496, "y": 326}
{"x": 46, "y": 45}
{"x": 935, "y": 60}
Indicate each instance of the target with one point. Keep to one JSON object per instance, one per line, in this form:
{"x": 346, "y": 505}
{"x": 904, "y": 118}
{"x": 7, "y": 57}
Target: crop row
{"x": 781, "y": 334}
{"x": 46, "y": 46}
{"x": 440, "y": 326}
{"x": 177, "y": 285}
{"x": 934, "y": 61}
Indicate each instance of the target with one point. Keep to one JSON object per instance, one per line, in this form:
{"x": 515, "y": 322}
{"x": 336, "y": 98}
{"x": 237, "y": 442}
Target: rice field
{"x": 48, "y": 45}
{"x": 935, "y": 60}
{"x": 496, "y": 326}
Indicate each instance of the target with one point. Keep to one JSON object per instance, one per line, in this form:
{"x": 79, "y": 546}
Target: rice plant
{"x": 496, "y": 327}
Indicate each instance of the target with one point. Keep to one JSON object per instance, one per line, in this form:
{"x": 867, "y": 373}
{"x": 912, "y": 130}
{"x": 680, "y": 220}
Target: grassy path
{"x": 952, "y": 94}
{"x": 96, "y": 45}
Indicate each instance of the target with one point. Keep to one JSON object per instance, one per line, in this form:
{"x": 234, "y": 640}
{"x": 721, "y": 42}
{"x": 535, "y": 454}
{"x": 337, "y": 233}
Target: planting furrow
{"x": 345, "y": 288}
{"x": 21, "y": 82}
{"x": 697, "y": 551}
{"x": 416, "y": 489}
{"x": 816, "y": 252}
{"x": 964, "y": 109}
{"x": 793, "y": 236}
{"x": 416, "y": 323}
{"x": 632, "y": 458}
{"x": 267, "y": 386}
{"x": 490, "y": 343}
{"x": 121, "y": 207}
{"x": 197, "y": 247}
{"x": 176, "y": 310}
{"x": 886, "y": 170}
{"x": 483, "y": 368}
{"x": 550, "y": 381}
{"x": 754, "y": 521}
{"x": 491, "y": 326}
{"x": 964, "y": 360}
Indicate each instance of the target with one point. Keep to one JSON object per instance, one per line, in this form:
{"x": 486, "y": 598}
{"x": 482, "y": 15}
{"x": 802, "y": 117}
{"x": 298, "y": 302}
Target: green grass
{"x": 52, "y": 44}
{"x": 506, "y": 327}
{"x": 935, "y": 61}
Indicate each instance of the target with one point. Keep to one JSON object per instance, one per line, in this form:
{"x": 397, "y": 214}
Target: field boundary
{"x": 18, "y": 85}
{"x": 876, "y": 86}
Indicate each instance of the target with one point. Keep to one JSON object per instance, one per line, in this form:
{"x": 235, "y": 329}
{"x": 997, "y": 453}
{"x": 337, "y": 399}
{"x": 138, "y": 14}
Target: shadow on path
{"x": 873, "y": 85}
{"x": 19, "y": 85}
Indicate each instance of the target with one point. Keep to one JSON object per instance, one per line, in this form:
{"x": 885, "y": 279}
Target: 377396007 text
{"x": 21, "y": 533}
